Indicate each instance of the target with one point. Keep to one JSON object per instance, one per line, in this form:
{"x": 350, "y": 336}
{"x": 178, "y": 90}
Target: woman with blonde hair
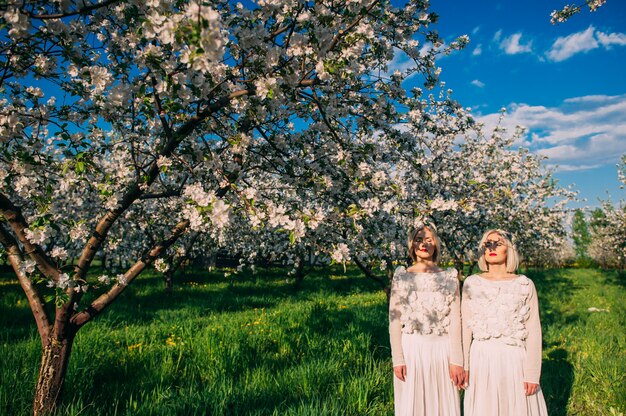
{"x": 501, "y": 334}
{"x": 425, "y": 331}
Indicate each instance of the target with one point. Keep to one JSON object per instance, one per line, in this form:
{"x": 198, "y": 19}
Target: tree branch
{"x": 34, "y": 300}
{"x": 82, "y": 11}
{"x": 98, "y": 305}
{"x": 16, "y": 220}
{"x": 369, "y": 274}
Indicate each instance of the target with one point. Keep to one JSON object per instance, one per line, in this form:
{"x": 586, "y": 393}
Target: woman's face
{"x": 495, "y": 249}
{"x": 424, "y": 245}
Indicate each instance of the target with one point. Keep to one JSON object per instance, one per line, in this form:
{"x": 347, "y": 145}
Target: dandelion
{"x": 135, "y": 347}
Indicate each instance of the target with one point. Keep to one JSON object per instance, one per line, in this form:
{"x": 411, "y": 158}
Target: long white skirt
{"x": 496, "y": 382}
{"x": 427, "y": 389}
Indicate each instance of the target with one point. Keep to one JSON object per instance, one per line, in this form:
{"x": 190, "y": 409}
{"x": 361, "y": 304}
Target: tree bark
{"x": 300, "y": 273}
{"x": 458, "y": 265}
{"x": 471, "y": 268}
{"x": 383, "y": 282}
{"x": 169, "y": 281}
{"x": 54, "y": 360}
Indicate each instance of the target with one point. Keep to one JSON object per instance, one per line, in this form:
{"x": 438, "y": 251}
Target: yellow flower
{"x": 134, "y": 347}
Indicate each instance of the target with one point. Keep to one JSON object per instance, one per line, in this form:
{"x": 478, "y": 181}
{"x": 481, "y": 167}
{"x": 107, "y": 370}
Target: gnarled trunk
{"x": 54, "y": 360}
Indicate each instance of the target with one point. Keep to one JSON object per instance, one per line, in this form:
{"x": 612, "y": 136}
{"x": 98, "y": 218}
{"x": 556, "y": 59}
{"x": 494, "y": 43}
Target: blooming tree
{"x": 121, "y": 119}
{"x": 608, "y": 229}
{"x": 464, "y": 183}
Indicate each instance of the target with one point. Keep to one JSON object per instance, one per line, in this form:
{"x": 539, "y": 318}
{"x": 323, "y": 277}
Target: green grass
{"x": 255, "y": 346}
{"x": 584, "y": 365}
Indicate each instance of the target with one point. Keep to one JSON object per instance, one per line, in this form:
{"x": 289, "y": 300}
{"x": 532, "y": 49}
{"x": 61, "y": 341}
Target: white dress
{"x": 425, "y": 333}
{"x": 502, "y": 345}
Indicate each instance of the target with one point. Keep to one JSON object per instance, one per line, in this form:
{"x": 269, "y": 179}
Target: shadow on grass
{"x": 557, "y": 377}
{"x": 549, "y": 283}
{"x": 203, "y": 293}
{"x": 616, "y": 277}
{"x": 555, "y": 289}
{"x": 198, "y": 291}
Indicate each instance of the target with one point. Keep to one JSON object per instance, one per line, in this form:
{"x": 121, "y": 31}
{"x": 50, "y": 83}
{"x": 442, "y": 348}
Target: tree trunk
{"x": 54, "y": 359}
{"x": 299, "y": 275}
{"x": 169, "y": 281}
{"x": 382, "y": 281}
{"x": 471, "y": 268}
{"x": 458, "y": 265}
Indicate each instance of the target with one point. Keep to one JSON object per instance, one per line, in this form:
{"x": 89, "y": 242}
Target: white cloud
{"x": 400, "y": 62}
{"x": 571, "y": 168}
{"x": 478, "y": 83}
{"x": 511, "y": 45}
{"x": 607, "y": 40}
{"x": 568, "y": 46}
{"x": 497, "y": 36}
{"x": 589, "y": 39}
{"x": 581, "y": 133}
{"x": 478, "y": 50}
{"x": 590, "y": 99}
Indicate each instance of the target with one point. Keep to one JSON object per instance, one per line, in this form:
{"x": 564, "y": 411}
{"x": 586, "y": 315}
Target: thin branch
{"x": 165, "y": 194}
{"x": 82, "y": 11}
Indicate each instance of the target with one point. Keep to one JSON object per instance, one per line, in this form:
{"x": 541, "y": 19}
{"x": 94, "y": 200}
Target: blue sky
{"x": 566, "y": 83}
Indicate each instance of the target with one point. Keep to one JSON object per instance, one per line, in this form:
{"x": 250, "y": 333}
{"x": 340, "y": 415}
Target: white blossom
{"x": 59, "y": 253}
{"x": 160, "y": 265}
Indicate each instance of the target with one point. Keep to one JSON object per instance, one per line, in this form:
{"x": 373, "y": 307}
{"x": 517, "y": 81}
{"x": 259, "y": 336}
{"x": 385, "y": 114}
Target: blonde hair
{"x": 512, "y": 258}
{"x": 436, "y": 241}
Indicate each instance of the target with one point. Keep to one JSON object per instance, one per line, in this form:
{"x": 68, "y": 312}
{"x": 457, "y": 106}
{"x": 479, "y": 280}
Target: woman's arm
{"x": 457, "y": 375}
{"x": 532, "y": 364}
{"x": 454, "y": 332}
{"x": 466, "y": 315}
{"x": 395, "y": 325}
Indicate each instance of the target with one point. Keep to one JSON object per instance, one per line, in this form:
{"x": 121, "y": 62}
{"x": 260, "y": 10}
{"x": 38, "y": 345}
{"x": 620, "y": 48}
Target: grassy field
{"x": 252, "y": 345}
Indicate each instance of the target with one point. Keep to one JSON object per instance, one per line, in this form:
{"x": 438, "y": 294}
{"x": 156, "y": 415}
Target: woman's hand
{"x": 400, "y": 372}
{"x": 457, "y": 375}
{"x": 530, "y": 388}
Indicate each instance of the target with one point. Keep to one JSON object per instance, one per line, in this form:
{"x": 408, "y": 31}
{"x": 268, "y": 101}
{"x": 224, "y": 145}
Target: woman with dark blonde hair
{"x": 425, "y": 331}
{"x": 501, "y": 334}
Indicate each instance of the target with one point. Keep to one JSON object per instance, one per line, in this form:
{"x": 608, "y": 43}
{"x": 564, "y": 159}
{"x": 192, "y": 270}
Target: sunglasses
{"x": 493, "y": 245}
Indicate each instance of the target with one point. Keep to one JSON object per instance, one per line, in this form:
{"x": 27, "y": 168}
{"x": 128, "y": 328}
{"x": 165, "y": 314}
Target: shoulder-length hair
{"x": 512, "y": 258}
{"x": 436, "y": 241}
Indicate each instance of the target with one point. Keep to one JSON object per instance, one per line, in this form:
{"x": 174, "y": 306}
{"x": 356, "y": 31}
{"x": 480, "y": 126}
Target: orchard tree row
{"x": 141, "y": 133}
{"x": 600, "y": 235}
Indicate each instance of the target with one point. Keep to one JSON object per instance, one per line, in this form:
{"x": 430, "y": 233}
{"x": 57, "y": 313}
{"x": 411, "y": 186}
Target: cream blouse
{"x": 427, "y": 304}
{"x": 506, "y": 310}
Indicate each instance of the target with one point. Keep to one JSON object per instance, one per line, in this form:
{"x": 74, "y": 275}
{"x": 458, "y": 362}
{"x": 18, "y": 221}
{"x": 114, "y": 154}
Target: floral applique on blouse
{"x": 422, "y": 300}
{"x": 499, "y": 309}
